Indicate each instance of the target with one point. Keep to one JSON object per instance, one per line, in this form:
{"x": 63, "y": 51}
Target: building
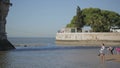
{"x": 68, "y": 30}
{"x": 115, "y": 29}
{"x": 86, "y": 29}
{"x": 75, "y": 30}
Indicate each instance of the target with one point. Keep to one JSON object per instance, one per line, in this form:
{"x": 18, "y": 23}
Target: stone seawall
{"x": 87, "y": 39}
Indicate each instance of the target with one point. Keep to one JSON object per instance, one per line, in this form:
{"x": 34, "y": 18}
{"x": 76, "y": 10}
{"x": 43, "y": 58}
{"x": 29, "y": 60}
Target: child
{"x": 111, "y": 50}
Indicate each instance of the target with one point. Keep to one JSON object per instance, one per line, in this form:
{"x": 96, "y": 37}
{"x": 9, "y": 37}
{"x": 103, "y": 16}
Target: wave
{"x": 53, "y": 48}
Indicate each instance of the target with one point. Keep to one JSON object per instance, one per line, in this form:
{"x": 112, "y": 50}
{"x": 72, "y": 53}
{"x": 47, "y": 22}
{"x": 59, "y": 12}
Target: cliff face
{"x": 4, "y": 9}
{"x": 6, "y": 45}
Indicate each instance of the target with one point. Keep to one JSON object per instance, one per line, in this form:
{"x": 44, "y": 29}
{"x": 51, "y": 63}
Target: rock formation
{"x": 4, "y": 9}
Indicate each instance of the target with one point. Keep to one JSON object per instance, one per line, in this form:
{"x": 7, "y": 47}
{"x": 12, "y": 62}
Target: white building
{"x": 68, "y": 30}
{"x": 86, "y": 29}
{"x": 115, "y": 29}
{"x": 75, "y": 30}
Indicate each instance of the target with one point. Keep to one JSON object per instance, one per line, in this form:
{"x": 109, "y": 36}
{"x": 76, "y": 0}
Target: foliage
{"x": 77, "y": 20}
{"x": 99, "y": 20}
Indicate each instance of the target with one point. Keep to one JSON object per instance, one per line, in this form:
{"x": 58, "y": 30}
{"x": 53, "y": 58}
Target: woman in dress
{"x": 102, "y": 53}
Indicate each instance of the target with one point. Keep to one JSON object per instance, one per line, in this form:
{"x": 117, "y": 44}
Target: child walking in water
{"x": 110, "y": 49}
{"x": 102, "y": 53}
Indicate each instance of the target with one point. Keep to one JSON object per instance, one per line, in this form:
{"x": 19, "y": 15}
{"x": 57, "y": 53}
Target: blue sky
{"x": 43, "y": 18}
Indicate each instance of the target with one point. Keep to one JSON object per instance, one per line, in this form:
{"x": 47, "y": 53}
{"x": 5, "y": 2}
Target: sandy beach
{"x": 114, "y": 58}
{"x": 86, "y": 43}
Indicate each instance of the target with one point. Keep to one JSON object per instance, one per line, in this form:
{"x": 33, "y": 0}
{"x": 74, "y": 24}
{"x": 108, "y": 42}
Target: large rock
{"x": 4, "y": 9}
{"x": 6, "y": 45}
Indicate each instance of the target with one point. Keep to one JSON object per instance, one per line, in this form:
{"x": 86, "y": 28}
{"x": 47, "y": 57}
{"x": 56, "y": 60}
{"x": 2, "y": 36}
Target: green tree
{"x": 77, "y": 20}
{"x": 73, "y": 22}
{"x": 99, "y": 20}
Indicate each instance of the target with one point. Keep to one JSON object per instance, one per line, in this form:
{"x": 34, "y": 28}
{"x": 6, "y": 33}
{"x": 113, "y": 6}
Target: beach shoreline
{"x": 87, "y": 43}
{"x": 114, "y": 58}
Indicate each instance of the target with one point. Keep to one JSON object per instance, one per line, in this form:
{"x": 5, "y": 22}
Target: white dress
{"x": 102, "y": 50}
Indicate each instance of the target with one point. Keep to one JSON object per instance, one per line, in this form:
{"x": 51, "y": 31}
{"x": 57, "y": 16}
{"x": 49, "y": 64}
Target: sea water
{"x": 44, "y": 53}
{"x": 32, "y": 41}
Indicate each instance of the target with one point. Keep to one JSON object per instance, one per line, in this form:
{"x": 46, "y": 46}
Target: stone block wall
{"x": 88, "y": 36}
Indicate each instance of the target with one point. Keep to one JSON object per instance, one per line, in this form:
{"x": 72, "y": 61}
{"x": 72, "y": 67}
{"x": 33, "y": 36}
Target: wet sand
{"x": 114, "y": 58}
{"x": 86, "y": 43}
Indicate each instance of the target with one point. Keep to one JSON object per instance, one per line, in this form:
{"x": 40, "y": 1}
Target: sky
{"x": 43, "y": 18}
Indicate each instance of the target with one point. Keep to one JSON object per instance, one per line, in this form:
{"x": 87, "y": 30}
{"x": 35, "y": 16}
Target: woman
{"x": 102, "y": 53}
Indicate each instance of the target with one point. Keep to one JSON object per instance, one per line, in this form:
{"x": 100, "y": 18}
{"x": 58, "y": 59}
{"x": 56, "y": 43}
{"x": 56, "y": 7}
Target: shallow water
{"x": 53, "y": 58}
{"x": 44, "y": 53}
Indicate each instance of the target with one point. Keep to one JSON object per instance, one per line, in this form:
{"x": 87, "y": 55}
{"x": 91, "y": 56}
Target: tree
{"x": 73, "y": 22}
{"x": 77, "y": 20}
{"x": 99, "y": 20}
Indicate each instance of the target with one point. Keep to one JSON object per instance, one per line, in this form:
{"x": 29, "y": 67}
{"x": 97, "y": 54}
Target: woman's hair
{"x": 103, "y": 44}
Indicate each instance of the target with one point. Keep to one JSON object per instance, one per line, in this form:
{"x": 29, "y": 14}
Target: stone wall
{"x": 88, "y": 38}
